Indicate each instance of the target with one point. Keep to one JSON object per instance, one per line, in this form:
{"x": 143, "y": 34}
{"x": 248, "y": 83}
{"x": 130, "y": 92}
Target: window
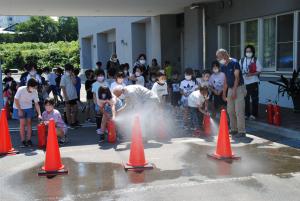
{"x": 276, "y": 41}
{"x": 269, "y": 38}
{"x": 235, "y": 40}
{"x": 285, "y": 29}
{"x": 251, "y": 34}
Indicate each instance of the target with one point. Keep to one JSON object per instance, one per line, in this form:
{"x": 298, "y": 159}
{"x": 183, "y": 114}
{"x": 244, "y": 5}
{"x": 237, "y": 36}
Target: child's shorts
{"x": 184, "y": 101}
{"x": 27, "y": 114}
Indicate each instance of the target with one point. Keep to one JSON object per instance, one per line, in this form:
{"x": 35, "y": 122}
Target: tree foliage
{"x": 15, "y": 55}
{"x": 44, "y": 29}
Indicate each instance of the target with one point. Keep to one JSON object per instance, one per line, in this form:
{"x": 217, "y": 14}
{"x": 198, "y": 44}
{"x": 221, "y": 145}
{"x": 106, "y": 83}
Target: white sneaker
{"x": 252, "y": 117}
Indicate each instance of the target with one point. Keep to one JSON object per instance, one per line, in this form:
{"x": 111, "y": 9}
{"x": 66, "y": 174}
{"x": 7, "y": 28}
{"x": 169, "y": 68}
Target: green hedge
{"x": 15, "y": 55}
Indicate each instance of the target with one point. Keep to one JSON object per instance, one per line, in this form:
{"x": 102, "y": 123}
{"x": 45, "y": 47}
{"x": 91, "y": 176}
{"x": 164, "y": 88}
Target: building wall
{"x": 170, "y": 41}
{"x": 91, "y": 26}
{"x": 243, "y": 10}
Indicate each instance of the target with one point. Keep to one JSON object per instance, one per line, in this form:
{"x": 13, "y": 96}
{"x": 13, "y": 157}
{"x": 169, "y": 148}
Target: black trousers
{"x": 252, "y": 92}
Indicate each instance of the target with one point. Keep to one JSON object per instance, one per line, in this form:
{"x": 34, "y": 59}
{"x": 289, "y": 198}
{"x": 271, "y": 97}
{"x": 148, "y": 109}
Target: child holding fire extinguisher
{"x": 109, "y": 105}
{"x": 198, "y": 105}
{"x": 51, "y": 113}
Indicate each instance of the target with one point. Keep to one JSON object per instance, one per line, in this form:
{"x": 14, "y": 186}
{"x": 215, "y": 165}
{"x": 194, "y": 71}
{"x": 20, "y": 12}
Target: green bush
{"x": 15, "y": 55}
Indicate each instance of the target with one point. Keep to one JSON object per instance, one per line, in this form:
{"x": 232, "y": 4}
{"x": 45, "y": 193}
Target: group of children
{"x": 192, "y": 94}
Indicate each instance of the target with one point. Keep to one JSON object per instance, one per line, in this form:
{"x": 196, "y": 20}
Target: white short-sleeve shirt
{"x": 160, "y": 90}
{"x": 25, "y": 98}
{"x": 196, "y": 99}
{"x": 66, "y": 82}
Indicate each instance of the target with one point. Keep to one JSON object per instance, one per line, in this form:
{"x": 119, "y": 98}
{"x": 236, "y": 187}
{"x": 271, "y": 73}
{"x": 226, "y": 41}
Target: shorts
{"x": 175, "y": 99}
{"x": 184, "y": 101}
{"x": 218, "y": 101}
{"x": 27, "y": 114}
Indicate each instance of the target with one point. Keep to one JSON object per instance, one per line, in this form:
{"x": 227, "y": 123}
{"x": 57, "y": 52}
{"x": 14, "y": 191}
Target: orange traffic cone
{"x": 223, "y": 150}
{"x": 5, "y": 141}
{"x": 53, "y": 165}
{"x": 137, "y": 155}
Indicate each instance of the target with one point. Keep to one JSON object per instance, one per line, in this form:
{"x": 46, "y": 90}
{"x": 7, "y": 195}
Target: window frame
{"x": 293, "y": 41}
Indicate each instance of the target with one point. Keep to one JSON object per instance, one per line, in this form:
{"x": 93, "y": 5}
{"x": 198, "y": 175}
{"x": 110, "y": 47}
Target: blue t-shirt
{"x": 229, "y": 72}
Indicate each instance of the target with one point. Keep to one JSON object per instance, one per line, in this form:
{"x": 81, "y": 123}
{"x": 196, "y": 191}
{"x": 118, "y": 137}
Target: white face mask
{"x": 153, "y": 79}
{"x": 100, "y": 79}
{"x": 215, "y": 70}
{"x": 137, "y": 74}
{"x": 188, "y": 77}
{"x": 222, "y": 61}
{"x": 162, "y": 71}
{"x": 33, "y": 72}
{"x": 249, "y": 54}
{"x": 122, "y": 96}
{"x": 125, "y": 71}
{"x": 142, "y": 61}
{"x": 67, "y": 73}
{"x": 103, "y": 96}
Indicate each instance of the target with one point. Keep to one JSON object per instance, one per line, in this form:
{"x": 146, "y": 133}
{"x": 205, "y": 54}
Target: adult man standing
{"x": 236, "y": 93}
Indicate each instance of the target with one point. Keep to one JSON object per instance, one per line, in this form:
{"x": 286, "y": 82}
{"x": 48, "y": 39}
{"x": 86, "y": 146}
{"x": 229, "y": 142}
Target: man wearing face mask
{"x": 67, "y": 84}
{"x": 23, "y": 111}
{"x": 234, "y": 92}
{"x": 251, "y": 69}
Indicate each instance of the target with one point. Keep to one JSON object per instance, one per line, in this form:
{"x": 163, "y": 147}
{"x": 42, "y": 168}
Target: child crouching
{"x": 51, "y": 113}
{"x": 197, "y": 102}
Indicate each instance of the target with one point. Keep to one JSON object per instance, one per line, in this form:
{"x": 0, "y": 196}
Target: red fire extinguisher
{"x": 277, "y": 115}
{"x": 269, "y": 112}
{"x": 111, "y": 138}
{"x": 41, "y": 129}
{"x": 206, "y": 125}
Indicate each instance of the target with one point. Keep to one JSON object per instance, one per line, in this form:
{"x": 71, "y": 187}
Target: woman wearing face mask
{"x": 100, "y": 81}
{"x": 137, "y": 77}
{"x": 51, "y": 113}
{"x": 251, "y": 68}
{"x": 23, "y": 111}
{"x": 31, "y": 72}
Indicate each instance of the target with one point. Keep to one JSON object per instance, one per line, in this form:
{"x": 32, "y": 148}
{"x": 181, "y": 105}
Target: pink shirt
{"x": 55, "y": 114}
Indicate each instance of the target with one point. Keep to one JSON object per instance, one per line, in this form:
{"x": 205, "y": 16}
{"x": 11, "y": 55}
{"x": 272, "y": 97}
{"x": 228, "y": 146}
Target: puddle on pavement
{"x": 255, "y": 160}
{"x": 85, "y": 178}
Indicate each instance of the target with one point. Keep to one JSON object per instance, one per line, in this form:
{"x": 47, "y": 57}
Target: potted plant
{"x": 290, "y": 86}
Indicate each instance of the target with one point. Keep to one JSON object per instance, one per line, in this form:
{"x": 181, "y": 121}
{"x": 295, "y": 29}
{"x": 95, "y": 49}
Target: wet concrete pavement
{"x": 267, "y": 171}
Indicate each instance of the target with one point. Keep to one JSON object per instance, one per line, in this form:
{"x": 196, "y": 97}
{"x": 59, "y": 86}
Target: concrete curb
{"x": 284, "y": 132}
